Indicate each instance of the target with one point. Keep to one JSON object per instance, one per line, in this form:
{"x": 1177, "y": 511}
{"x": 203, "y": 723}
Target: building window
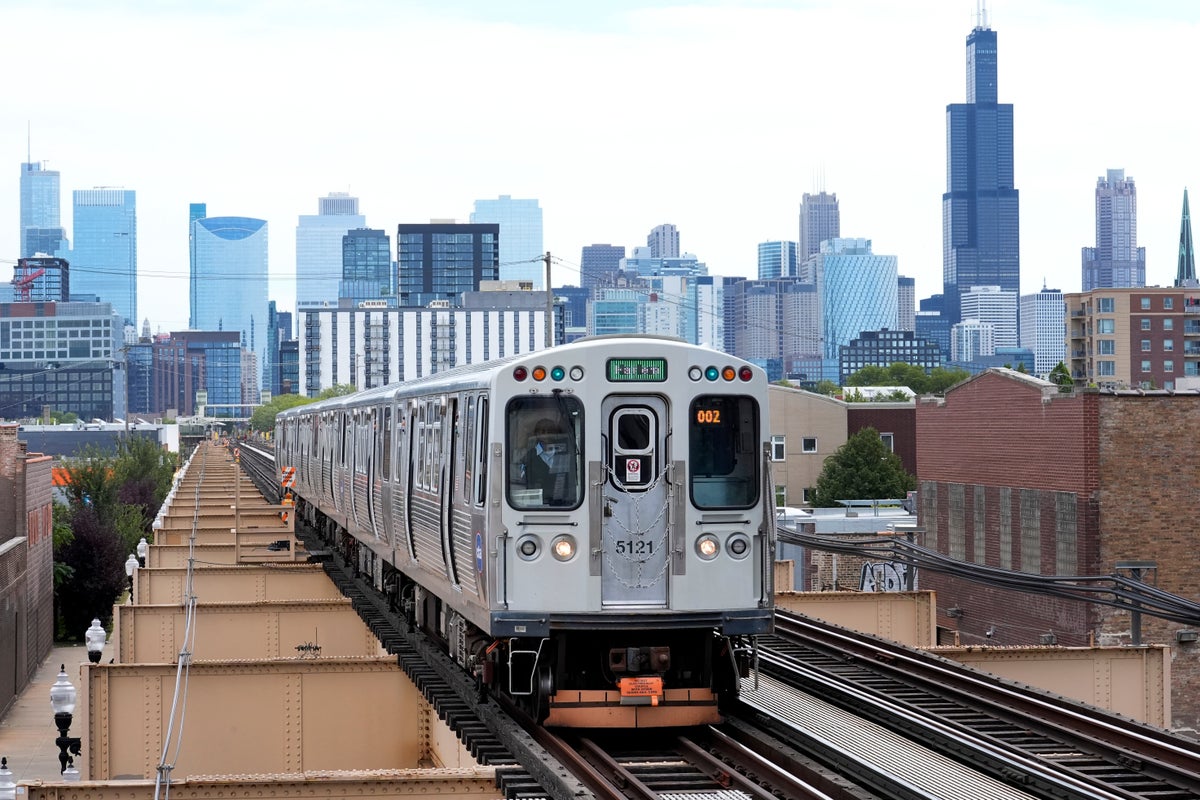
{"x": 1108, "y": 347}
{"x": 780, "y": 496}
{"x": 1145, "y": 323}
{"x": 888, "y": 441}
{"x": 1168, "y": 366}
{"x": 1106, "y": 326}
{"x": 1145, "y": 366}
{"x": 1145, "y": 345}
{"x": 809, "y": 444}
{"x": 806, "y": 495}
{"x": 1168, "y": 303}
{"x": 1169, "y": 385}
{"x": 778, "y": 448}
{"x": 1106, "y": 368}
{"x": 1145, "y": 304}
{"x": 1168, "y": 324}
{"x": 1168, "y": 345}
{"x": 1107, "y": 305}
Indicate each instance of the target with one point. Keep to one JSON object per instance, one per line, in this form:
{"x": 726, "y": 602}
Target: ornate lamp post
{"x": 62, "y": 700}
{"x": 95, "y": 638}
{"x": 142, "y": 549}
{"x": 8, "y": 788}
{"x": 131, "y": 564}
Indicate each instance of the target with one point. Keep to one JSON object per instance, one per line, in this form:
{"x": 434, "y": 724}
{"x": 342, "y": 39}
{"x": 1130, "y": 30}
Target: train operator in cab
{"x": 548, "y": 463}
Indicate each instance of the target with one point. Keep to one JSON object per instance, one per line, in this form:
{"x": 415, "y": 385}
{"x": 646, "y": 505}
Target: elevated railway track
{"x": 830, "y": 714}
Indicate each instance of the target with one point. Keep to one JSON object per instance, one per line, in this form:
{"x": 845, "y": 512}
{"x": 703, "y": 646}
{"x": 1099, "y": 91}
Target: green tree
{"x": 862, "y": 469}
{"x": 112, "y": 498}
{"x": 263, "y": 418}
{"x": 337, "y": 390}
{"x": 827, "y": 387}
{"x": 1062, "y": 376}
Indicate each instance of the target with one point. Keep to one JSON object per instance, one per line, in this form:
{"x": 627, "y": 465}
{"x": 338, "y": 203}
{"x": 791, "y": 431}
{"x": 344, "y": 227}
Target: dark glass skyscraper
{"x": 441, "y": 260}
{"x": 367, "y": 266}
{"x": 980, "y": 226}
{"x": 597, "y": 261}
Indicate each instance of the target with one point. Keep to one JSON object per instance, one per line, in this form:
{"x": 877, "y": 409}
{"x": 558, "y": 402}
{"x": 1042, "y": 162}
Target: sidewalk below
{"x": 27, "y": 731}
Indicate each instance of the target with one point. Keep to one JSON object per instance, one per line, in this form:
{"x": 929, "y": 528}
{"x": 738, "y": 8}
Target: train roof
{"x": 483, "y": 369}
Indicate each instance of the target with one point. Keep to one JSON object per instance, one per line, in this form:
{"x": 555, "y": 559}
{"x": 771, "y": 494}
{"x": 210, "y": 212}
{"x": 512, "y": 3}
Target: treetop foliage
{"x": 862, "y": 469}
{"x": 937, "y": 381}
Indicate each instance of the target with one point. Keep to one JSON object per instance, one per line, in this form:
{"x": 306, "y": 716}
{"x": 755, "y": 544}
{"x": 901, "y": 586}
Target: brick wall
{"x": 900, "y": 421}
{"x": 26, "y": 564}
{"x": 1003, "y": 452}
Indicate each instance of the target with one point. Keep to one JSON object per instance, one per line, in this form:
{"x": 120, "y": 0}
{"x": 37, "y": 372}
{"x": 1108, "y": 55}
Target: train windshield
{"x": 723, "y": 442}
{"x": 545, "y": 452}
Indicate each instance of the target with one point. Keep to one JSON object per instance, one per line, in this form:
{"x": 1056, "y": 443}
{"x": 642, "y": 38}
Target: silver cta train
{"x": 588, "y": 529}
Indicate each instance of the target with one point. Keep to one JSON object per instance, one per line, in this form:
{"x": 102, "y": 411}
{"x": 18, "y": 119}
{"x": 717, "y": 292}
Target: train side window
{"x": 544, "y": 442}
{"x": 481, "y": 429}
{"x": 723, "y": 451}
{"x": 387, "y": 443}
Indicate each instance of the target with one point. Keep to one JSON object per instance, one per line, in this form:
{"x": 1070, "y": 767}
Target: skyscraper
{"x": 229, "y": 280}
{"x": 993, "y": 305}
{"x": 820, "y": 220}
{"x": 367, "y": 266}
{"x": 1043, "y": 321}
{"x": 980, "y": 225}
{"x": 777, "y": 260}
{"x": 857, "y": 291}
{"x": 441, "y": 260}
{"x": 1185, "y": 273}
{"x": 598, "y": 260}
{"x": 104, "y": 256}
{"x": 41, "y": 225}
{"x": 319, "y": 247}
{"x": 1116, "y": 260}
{"x": 663, "y": 241}
{"x": 521, "y": 249}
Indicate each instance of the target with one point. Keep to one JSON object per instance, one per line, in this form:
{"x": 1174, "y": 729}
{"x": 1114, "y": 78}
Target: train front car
{"x": 632, "y": 565}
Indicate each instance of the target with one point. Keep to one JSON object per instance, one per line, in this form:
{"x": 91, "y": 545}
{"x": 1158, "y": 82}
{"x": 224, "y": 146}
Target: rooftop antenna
{"x": 981, "y": 20}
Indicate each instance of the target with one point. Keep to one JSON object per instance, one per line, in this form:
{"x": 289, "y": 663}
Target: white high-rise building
{"x": 319, "y": 248}
{"x": 1043, "y": 329}
{"x": 971, "y": 339}
{"x": 520, "y": 224}
{"x": 996, "y": 306}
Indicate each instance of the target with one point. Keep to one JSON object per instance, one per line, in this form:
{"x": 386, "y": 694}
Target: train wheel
{"x": 545, "y": 689}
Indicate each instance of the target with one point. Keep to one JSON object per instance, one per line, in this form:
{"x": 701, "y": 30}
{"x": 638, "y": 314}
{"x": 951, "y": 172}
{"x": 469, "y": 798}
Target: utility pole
{"x": 549, "y": 304}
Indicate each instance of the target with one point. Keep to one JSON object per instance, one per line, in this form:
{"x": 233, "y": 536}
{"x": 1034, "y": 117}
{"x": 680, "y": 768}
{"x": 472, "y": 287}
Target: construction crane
{"x": 23, "y": 282}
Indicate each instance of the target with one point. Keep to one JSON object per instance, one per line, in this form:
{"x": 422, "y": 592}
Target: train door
{"x": 635, "y": 532}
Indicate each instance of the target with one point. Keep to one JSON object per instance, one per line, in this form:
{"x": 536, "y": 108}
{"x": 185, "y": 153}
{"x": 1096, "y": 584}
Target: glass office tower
{"x": 319, "y": 248}
{"x": 41, "y": 225}
{"x": 367, "y": 267}
{"x": 980, "y": 226}
{"x": 229, "y": 280}
{"x": 104, "y": 256}
{"x": 858, "y": 291}
{"x": 441, "y": 260}
{"x": 520, "y": 224}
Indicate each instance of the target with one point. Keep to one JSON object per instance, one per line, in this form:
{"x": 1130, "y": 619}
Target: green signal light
{"x": 712, "y": 373}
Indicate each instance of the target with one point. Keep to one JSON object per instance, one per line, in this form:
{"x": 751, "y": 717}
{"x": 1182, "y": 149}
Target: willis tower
{"x": 980, "y": 227}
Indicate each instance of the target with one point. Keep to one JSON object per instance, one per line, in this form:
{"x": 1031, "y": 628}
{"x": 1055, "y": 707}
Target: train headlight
{"x": 563, "y": 547}
{"x": 707, "y": 547}
{"x": 528, "y": 547}
{"x": 738, "y": 545}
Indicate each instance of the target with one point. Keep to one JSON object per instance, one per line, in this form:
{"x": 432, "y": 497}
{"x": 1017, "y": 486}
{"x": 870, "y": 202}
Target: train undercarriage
{"x": 584, "y": 677}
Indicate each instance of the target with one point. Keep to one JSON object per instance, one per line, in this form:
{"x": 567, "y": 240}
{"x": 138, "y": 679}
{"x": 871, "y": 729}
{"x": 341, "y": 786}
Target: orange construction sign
{"x": 289, "y": 477}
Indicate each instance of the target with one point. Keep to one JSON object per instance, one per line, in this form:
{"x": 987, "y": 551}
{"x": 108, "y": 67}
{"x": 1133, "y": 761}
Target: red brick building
{"x": 26, "y": 564}
{"x": 1017, "y": 476}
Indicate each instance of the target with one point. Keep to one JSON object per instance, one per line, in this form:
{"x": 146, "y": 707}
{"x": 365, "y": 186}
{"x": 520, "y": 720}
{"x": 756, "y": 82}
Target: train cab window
{"x": 544, "y": 440}
{"x": 723, "y": 442}
{"x": 481, "y": 431}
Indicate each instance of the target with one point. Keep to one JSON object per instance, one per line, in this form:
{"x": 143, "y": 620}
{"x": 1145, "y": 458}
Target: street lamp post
{"x": 131, "y": 564}
{"x": 8, "y": 788}
{"x": 95, "y": 638}
{"x": 62, "y": 700}
{"x": 142, "y": 549}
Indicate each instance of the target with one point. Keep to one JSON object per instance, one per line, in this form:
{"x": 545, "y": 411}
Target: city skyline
{"x": 708, "y": 165}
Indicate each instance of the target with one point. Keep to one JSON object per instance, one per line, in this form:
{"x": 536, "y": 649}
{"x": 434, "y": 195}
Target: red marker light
{"x": 520, "y": 373}
{"x": 745, "y": 373}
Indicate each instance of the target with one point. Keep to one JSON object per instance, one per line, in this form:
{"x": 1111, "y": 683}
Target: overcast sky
{"x": 617, "y": 116}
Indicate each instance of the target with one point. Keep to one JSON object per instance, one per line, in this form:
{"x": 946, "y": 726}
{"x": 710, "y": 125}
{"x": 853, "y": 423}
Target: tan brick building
{"x": 1017, "y": 476}
{"x": 26, "y": 564}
